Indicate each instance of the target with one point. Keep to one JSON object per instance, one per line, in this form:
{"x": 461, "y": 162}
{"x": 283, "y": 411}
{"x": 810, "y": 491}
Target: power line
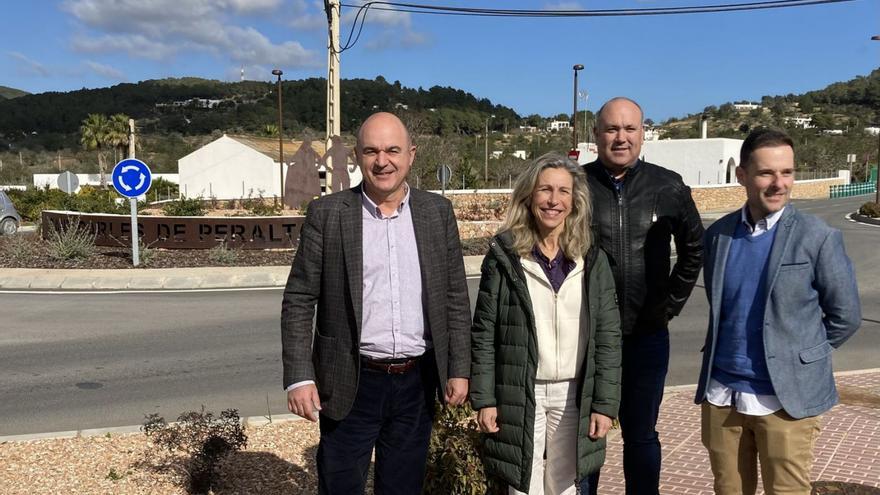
{"x": 361, "y": 15}
{"x": 473, "y": 11}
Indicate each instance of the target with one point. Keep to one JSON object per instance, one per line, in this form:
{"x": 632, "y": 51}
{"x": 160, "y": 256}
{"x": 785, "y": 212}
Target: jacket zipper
{"x": 621, "y": 257}
{"x": 556, "y": 327}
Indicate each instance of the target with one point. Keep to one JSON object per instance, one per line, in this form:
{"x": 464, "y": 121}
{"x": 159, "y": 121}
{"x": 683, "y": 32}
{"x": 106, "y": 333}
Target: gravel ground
{"x": 27, "y": 250}
{"x": 279, "y": 458}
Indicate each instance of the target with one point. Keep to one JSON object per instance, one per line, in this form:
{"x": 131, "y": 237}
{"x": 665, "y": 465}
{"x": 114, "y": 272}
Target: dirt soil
{"x": 27, "y": 250}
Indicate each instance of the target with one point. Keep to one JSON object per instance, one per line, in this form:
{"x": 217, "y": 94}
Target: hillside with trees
{"x": 7, "y": 93}
{"x": 837, "y": 116}
{"x": 43, "y": 133}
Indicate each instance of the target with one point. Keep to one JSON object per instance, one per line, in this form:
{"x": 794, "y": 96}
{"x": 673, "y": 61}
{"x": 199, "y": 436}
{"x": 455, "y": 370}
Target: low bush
{"x": 18, "y": 248}
{"x": 72, "y": 241}
{"x": 260, "y": 207}
{"x": 870, "y": 209}
{"x": 31, "y": 202}
{"x": 222, "y": 255}
{"x": 203, "y": 439}
{"x": 184, "y": 207}
{"x": 455, "y": 465}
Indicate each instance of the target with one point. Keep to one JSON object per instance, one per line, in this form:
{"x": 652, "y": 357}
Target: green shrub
{"x": 31, "y": 202}
{"x": 72, "y": 241}
{"x": 18, "y": 248}
{"x": 870, "y": 209}
{"x": 455, "y": 465}
{"x": 260, "y": 207}
{"x": 163, "y": 189}
{"x": 146, "y": 252}
{"x": 184, "y": 207}
{"x": 91, "y": 199}
{"x": 203, "y": 439}
{"x": 222, "y": 255}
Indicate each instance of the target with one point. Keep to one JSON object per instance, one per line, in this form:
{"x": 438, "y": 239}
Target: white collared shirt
{"x": 721, "y": 395}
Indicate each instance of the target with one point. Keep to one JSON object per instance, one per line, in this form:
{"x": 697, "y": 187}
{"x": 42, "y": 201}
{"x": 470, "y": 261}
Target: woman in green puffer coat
{"x": 546, "y": 339}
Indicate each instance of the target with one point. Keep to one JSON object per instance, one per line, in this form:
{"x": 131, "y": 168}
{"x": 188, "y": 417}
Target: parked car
{"x": 9, "y": 218}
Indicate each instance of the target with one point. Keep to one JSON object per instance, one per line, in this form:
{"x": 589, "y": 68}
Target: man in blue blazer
{"x": 782, "y": 295}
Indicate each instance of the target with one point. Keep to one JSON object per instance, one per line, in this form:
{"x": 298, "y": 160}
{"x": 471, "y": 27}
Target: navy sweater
{"x": 739, "y": 356}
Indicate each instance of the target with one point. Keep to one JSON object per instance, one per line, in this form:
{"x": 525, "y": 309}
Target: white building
{"x": 802, "y": 122}
{"x": 746, "y": 106}
{"x": 240, "y": 166}
{"x": 698, "y": 161}
{"x": 556, "y": 125}
{"x": 872, "y": 131}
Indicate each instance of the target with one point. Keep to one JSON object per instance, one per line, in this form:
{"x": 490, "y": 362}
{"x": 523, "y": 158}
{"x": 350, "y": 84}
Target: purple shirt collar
{"x": 556, "y": 269}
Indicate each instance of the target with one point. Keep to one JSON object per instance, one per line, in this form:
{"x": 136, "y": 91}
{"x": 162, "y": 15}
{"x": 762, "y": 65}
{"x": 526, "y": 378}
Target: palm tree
{"x": 94, "y": 130}
{"x": 117, "y": 134}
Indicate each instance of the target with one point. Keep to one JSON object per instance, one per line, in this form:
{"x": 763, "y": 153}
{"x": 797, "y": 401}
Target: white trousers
{"x": 556, "y": 425}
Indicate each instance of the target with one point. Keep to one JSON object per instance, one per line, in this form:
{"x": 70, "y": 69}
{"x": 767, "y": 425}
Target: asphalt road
{"x": 78, "y": 361}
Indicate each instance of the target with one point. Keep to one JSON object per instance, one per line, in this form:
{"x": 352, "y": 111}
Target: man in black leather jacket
{"x": 638, "y": 209}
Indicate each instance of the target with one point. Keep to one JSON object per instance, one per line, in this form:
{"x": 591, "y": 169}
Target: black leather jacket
{"x": 635, "y": 228}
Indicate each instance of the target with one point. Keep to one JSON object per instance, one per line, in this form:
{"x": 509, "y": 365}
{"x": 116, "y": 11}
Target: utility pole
{"x": 279, "y": 73}
{"x": 332, "y": 8}
{"x": 486, "y": 149}
{"x": 131, "y": 139}
{"x": 574, "y": 117}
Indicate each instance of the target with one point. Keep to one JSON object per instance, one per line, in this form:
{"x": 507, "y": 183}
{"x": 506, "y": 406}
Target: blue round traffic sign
{"x": 132, "y": 177}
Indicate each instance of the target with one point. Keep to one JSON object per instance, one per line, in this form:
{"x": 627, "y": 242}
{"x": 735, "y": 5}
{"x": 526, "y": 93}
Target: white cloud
{"x": 135, "y": 45}
{"x": 159, "y": 29}
{"x": 395, "y": 28}
{"x": 106, "y": 71}
{"x": 385, "y": 18}
{"x": 396, "y": 39}
{"x": 29, "y": 66}
{"x": 309, "y": 18}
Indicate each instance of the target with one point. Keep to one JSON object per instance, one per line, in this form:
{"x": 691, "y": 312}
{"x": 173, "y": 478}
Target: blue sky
{"x": 673, "y": 65}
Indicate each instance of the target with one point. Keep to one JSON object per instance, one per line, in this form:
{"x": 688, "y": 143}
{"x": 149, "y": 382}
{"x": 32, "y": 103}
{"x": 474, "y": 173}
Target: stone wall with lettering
{"x": 182, "y": 232}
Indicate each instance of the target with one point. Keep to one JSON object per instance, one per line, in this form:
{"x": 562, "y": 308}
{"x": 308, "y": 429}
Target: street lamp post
{"x": 486, "y": 146}
{"x": 279, "y": 73}
{"x": 877, "y": 186}
{"x": 574, "y": 126}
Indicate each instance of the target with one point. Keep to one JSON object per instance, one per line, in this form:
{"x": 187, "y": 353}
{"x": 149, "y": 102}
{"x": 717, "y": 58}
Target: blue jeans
{"x": 645, "y": 363}
{"x": 392, "y": 413}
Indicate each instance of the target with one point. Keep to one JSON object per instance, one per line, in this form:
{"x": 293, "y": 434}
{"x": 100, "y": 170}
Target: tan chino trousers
{"x": 737, "y": 441}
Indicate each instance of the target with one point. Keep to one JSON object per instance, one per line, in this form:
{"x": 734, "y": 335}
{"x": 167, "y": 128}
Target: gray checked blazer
{"x": 812, "y": 307}
{"x": 327, "y": 277}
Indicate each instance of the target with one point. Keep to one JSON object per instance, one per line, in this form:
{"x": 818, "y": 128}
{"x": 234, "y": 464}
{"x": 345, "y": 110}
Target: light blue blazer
{"x": 812, "y": 307}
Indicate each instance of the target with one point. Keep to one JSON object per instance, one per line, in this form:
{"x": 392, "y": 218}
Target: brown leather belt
{"x": 391, "y": 367}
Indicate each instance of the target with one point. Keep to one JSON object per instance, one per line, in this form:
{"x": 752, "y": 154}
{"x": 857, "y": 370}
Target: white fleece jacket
{"x": 561, "y": 343}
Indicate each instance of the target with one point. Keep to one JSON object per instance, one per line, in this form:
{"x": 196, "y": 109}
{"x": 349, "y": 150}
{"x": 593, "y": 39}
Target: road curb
{"x": 260, "y": 421}
{"x": 251, "y": 421}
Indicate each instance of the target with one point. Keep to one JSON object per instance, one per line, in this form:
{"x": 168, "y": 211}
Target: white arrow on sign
{"x": 129, "y": 168}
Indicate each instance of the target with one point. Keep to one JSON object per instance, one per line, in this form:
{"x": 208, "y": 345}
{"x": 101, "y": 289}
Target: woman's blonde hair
{"x": 576, "y": 237}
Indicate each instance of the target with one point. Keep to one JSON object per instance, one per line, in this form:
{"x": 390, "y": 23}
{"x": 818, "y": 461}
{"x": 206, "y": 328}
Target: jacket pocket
{"x": 815, "y": 353}
{"x": 800, "y": 265}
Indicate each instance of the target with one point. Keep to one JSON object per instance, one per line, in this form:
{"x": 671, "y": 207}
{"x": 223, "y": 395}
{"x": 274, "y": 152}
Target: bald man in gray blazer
{"x": 382, "y": 265}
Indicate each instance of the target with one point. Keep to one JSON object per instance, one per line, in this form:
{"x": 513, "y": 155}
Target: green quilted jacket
{"x": 505, "y": 360}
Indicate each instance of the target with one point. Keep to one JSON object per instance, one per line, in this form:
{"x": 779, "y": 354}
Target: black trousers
{"x": 645, "y": 363}
{"x": 393, "y": 413}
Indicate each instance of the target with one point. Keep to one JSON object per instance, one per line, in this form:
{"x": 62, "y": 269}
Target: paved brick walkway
{"x": 848, "y": 448}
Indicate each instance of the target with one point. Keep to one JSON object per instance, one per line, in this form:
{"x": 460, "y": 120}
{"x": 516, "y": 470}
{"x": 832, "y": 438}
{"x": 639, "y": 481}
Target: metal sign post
{"x": 132, "y": 178}
{"x": 444, "y": 173}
